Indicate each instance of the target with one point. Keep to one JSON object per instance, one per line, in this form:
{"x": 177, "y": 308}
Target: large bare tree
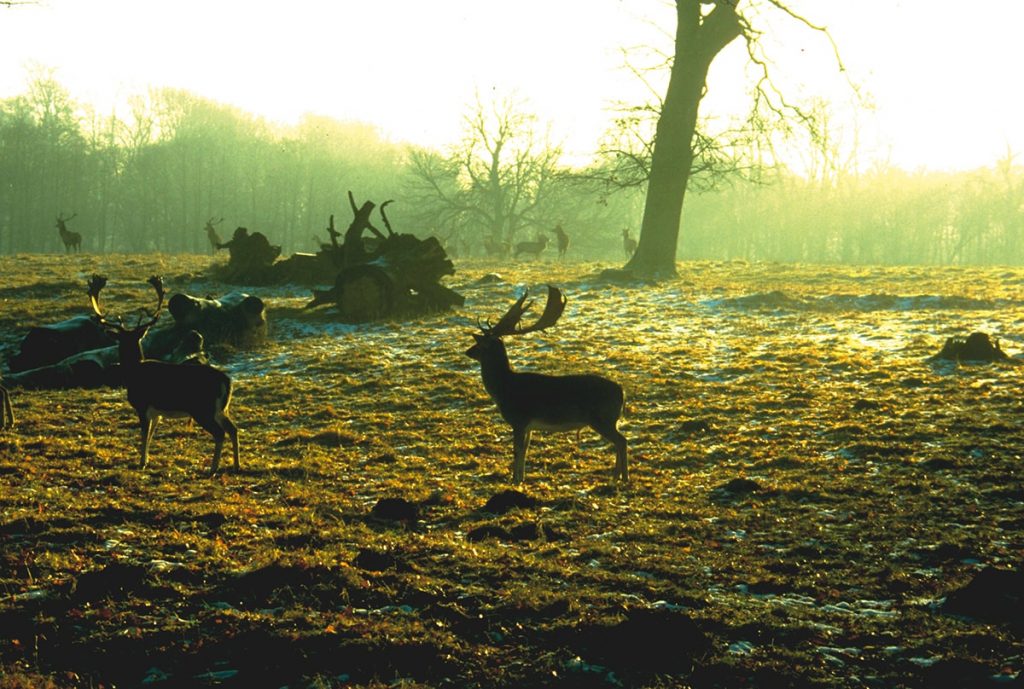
{"x": 704, "y": 28}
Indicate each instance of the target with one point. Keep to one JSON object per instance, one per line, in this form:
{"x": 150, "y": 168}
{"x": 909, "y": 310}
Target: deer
{"x": 7, "y": 417}
{"x": 563, "y": 241}
{"x": 161, "y": 389}
{"x": 211, "y": 234}
{"x": 535, "y": 401}
{"x": 532, "y": 248}
{"x": 72, "y": 240}
{"x": 628, "y": 243}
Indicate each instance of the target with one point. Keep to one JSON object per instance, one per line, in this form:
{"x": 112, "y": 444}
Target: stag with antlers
{"x": 72, "y": 240}
{"x": 158, "y": 388}
{"x": 534, "y": 401}
{"x": 211, "y": 234}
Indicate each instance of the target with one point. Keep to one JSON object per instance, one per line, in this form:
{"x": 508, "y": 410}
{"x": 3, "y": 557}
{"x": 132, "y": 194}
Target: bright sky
{"x": 941, "y": 72}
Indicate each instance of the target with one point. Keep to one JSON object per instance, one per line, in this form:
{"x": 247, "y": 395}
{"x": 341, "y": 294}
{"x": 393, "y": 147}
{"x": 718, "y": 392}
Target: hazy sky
{"x": 941, "y": 72}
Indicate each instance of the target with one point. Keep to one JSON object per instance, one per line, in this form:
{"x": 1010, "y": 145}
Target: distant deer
{"x": 72, "y": 240}
{"x": 529, "y": 401}
{"x": 628, "y": 243}
{"x": 158, "y": 388}
{"x": 495, "y": 247}
{"x": 533, "y": 248}
{"x": 211, "y": 234}
{"x": 563, "y": 241}
{"x": 7, "y": 419}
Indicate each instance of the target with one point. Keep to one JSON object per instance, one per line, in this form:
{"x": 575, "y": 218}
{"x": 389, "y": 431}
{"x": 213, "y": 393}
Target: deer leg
{"x": 147, "y": 425}
{"x": 520, "y": 444}
{"x": 610, "y": 433}
{"x": 213, "y": 427}
{"x": 8, "y": 412}
{"x": 232, "y": 431}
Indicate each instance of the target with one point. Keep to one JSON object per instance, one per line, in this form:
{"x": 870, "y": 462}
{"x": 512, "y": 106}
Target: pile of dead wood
{"x": 383, "y": 275}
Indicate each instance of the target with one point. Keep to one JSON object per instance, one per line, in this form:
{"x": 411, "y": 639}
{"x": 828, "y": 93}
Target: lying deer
{"x": 628, "y": 243}
{"x": 533, "y": 248}
{"x": 158, "y": 388}
{"x": 533, "y": 401}
{"x": 7, "y": 418}
{"x": 72, "y": 240}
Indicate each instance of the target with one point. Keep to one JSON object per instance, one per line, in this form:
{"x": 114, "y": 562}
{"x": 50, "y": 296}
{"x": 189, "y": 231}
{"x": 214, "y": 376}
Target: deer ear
{"x": 478, "y": 337}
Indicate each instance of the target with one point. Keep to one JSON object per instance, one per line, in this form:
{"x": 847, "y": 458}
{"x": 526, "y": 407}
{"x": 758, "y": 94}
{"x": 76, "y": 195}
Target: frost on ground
{"x": 812, "y": 497}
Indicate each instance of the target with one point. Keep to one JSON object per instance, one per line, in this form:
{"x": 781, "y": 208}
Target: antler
{"x": 158, "y": 284}
{"x": 98, "y": 282}
{"x": 509, "y": 323}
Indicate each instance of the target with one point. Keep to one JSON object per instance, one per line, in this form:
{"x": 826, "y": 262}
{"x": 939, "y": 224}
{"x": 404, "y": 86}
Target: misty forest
{"x": 302, "y": 405}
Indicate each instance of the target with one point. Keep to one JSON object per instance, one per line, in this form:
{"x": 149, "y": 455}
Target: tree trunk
{"x": 698, "y": 40}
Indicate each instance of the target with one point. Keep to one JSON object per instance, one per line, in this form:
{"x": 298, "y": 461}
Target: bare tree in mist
{"x": 496, "y": 179}
{"x": 703, "y": 30}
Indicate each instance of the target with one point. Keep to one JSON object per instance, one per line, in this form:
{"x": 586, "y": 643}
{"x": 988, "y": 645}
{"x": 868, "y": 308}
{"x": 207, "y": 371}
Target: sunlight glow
{"x": 412, "y": 68}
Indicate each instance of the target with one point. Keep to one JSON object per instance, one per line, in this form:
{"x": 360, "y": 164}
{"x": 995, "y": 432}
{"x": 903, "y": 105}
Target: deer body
{"x": 72, "y": 240}
{"x": 161, "y": 389}
{"x": 533, "y": 248}
{"x": 628, "y": 243}
{"x": 534, "y": 401}
{"x": 212, "y": 236}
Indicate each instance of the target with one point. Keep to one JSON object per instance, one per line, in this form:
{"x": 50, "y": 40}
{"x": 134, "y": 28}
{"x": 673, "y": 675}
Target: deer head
{"x": 61, "y": 220}
{"x": 129, "y": 339}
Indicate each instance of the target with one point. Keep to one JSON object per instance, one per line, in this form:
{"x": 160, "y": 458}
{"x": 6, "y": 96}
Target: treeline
{"x": 150, "y": 180}
{"x": 886, "y": 216}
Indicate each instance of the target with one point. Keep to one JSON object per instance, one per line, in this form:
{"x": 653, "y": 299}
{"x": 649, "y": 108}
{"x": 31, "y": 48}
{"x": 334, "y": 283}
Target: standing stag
{"x": 211, "y": 234}
{"x": 72, "y": 240}
{"x": 533, "y": 401}
{"x": 628, "y": 243}
{"x": 158, "y": 388}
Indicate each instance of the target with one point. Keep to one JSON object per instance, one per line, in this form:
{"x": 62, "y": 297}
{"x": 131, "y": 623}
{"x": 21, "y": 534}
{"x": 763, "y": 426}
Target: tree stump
{"x": 975, "y": 347}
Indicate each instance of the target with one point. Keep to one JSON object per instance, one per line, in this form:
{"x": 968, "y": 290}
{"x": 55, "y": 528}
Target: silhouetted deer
{"x": 529, "y": 401}
{"x": 158, "y": 388}
{"x": 211, "y": 234}
{"x": 628, "y": 243}
{"x": 563, "y": 241}
{"x": 7, "y": 419}
{"x": 72, "y": 240}
{"x": 533, "y": 248}
{"x": 495, "y": 247}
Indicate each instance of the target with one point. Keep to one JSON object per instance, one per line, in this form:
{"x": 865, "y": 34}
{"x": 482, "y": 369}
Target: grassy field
{"x": 814, "y": 502}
